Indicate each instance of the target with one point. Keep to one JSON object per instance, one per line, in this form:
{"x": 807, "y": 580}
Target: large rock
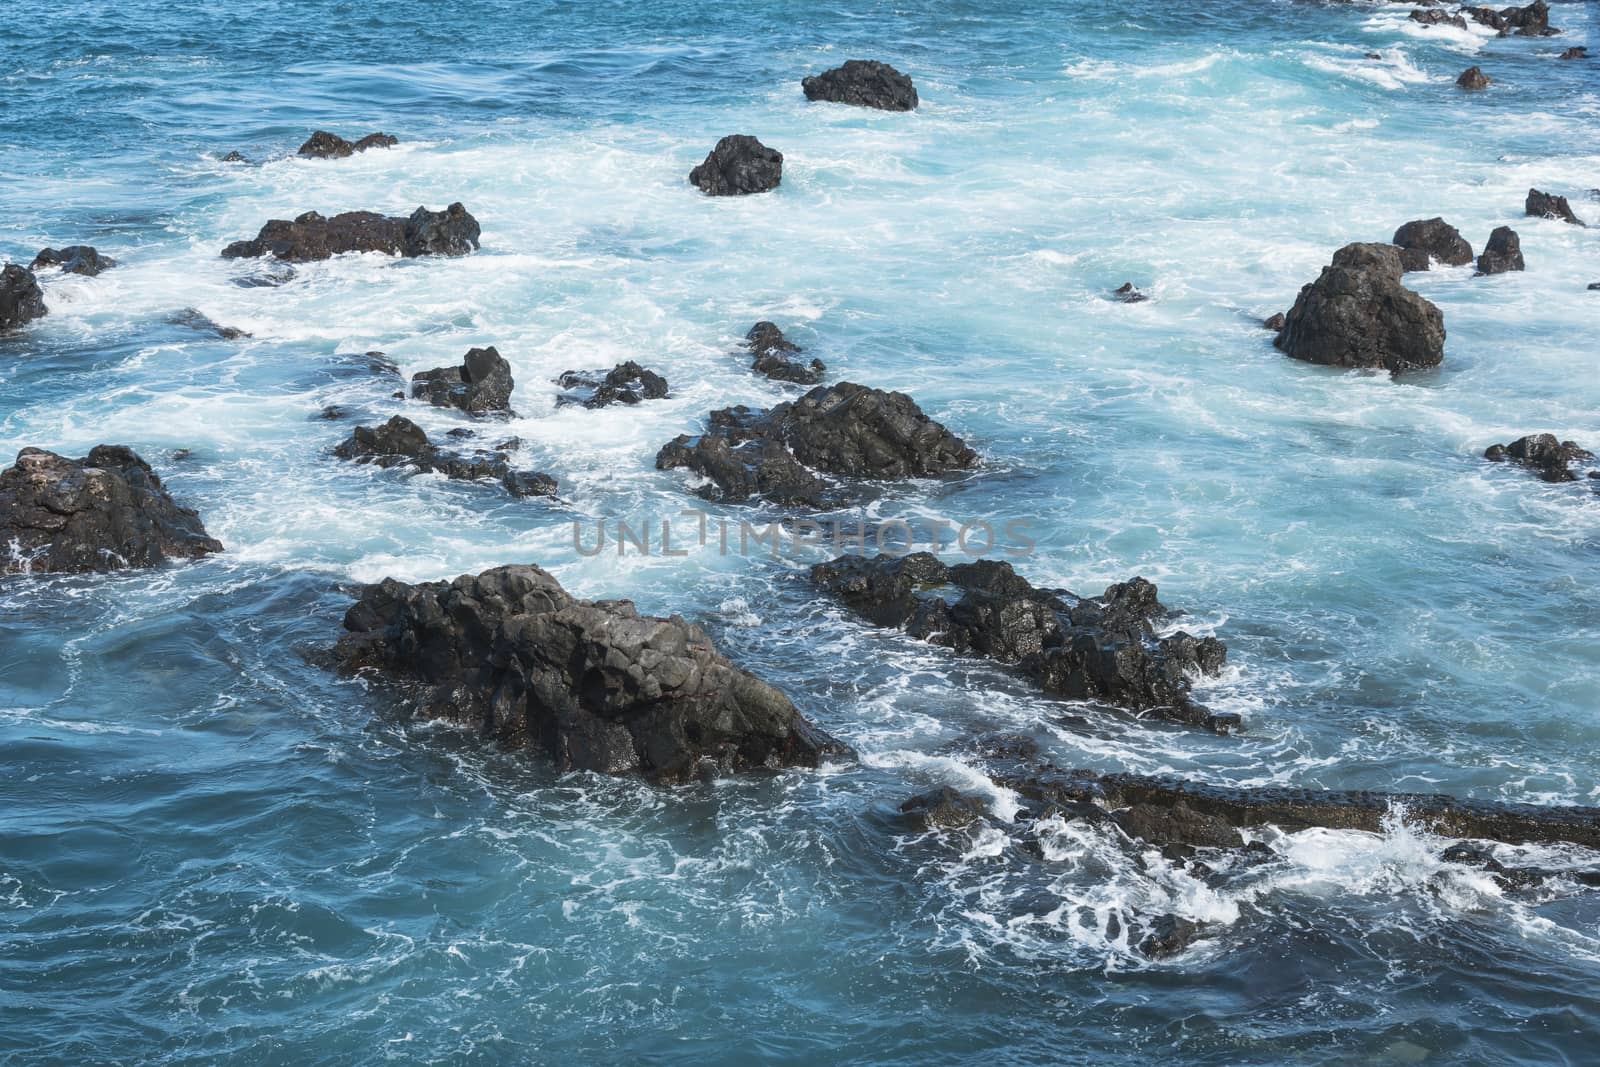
{"x": 1436, "y": 239}
{"x": 771, "y": 351}
{"x": 401, "y": 442}
{"x": 311, "y": 236}
{"x": 846, "y": 430}
{"x": 626, "y": 383}
{"x": 104, "y": 512}
{"x": 1545, "y": 454}
{"x": 1357, "y": 314}
{"x": 863, "y": 83}
{"x": 593, "y": 685}
{"x": 738, "y": 165}
{"x": 21, "y": 300}
{"x": 1101, "y": 648}
{"x": 325, "y": 145}
{"x": 481, "y": 385}
{"x": 1545, "y": 206}
{"x": 74, "y": 259}
{"x": 1503, "y": 252}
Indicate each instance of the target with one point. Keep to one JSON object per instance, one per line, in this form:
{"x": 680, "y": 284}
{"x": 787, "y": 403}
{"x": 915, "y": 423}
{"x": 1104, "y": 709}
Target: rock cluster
{"x": 1544, "y": 454}
{"x": 312, "y": 236}
{"x": 626, "y": 383}
{"x": 325, "y": 145}
{"x": 401, "y": 442}
{"x": 771, "y": 351}
{"x": 481, "y": 385}
{"x": 1546, "y": 206}
{"x": 74, "y": 259}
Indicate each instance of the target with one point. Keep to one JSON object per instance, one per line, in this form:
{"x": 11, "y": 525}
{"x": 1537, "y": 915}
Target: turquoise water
{"x": 212, "y": 851}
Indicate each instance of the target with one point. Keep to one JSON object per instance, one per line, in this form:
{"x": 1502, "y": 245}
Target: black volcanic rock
{"x": 481, "y": 385}
{"x": 592, "y": 685}
{"x": 21, "y": 299}
{"x": 104, "y": 512}
{"x": 1575, "y": 52}
{"x": 737, "y": 166}
{"x": 1101, "y": 648}
{"x": 402, "y": 443}
{"x": 846, "y": 430}
{"x": 325, "y": 145}
{"x": 311, "y": 236}
{"x": 74, "y": 259}
{"x": 1127, "y": 294}
{"x": 1474, "y": 78}
{"x": 1530, "y": 21}
{"x": 1436, "y": 239}
{"x": 1544, "y": 454}
{"x": 771, "y": 351}
{"x": 626, "y": 383}
{"x": 942, "y": 809}
{"x": 1357, "y": 314}
{"x": 1435, "y": 17}
{"x": 1502, "y": 253}
{"x": 863, "y": 83}
{"x": 1545, "y": 206}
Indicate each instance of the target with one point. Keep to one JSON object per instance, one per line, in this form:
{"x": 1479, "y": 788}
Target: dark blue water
{"x": 212, "y": 851}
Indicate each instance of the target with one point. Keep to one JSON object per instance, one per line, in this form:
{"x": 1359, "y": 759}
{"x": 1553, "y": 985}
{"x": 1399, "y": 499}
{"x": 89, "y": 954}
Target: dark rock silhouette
{"x": 1575, "y": 52}
{"x": 626, "y": 383}
{"x": 1435, "y": 239}
{"x": 1357, "y": 314}
{"x": 1544, "y": 454}
{"x": 1128, "y": 294}
{"x": 401, "y": 442}
{"x": 863, "y": 83}
{"x": 737, "y": 166}
{"x": 21, "y": 299}
{"x": 481, "y": 385}
{"x": 1435, "y": 17}
{"x": 772, "y": 360}
{"x": 1502, "y": 253}
{"x": 195, "y": 319}
{"x": 311, "y": 236}
{"x": 1545, "y": 206}
{"x": 74, "y": 259}
{"x": 1473, "y": 77}
{"x": 325, "y": 145}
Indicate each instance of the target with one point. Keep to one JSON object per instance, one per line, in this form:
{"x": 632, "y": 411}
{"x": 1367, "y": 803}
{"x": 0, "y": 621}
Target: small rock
{"x": 1435, "y": 17}
{"x": 1544, "y": 454}
{"x": 1502, "y": 253}
{"x": 325, "y": 145}
{"x": 1435, "y": 239}
{"x": 312, "y": 236}
{"x": 863, "y": 83}
{"x": 626, "y": 383}
{"x": 197, "y": 320}
{"x": 1545, "y": 206}
{"x": 234, "y": 157}
{"x": 1473, "y": 77}
{"x": 1128, "y": 294}
{"x": 1170, "y": 935}
{"x": 942, "y": 809}
{"x": 21, "y": 299}
{"x": 481, "y": 385}
{"x": 1273, "y": 322}
{"x": 771, "y": 350}
{"x": 74, "y": 259}
{"x": 1575, "y": 52}
{"x": 401, "y": 442}
{"x": 1357, "y": 314}
{"x": 737, "y": 166}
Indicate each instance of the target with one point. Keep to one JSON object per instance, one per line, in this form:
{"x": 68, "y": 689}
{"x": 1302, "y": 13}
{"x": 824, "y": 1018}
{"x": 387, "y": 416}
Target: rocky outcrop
{"x": 1357, "y": 314}
{"x": 771, "y": 351}
{"x": 1433, "y": 16}
{"x": 1530, "y": 21}
{"x": 1474, "y": 78}
{"x": 1103, "y": 649}
{"x": 863, "y": 83}
{"x": 325, "y": 145}
{"x": 481, "y": 385}
{"x": 1575, "y": 52}
{"x": 592, "y": 685}
{"x": 1126, "y": 293}
{"x": 1545, "y": 206}
{"x": 1435, "y": 239}
{"x": 942, "y": 809}
{"x": 21, "y": 300}
{"x": 846, "y": 430}
{"x": 74, "y": 259}
{"x": 1487, "y": 16}
{"x": 737, "y": 166}
{"x": 104, "y": 512}
{"x": 1544, "y": 454}
{"x": 1273, "y": 322}
{"x": 401, "y": 442}
{"x": 1502, "y": 253}
{"x": 311, "y": 236}
{"x": 626, "y": 383}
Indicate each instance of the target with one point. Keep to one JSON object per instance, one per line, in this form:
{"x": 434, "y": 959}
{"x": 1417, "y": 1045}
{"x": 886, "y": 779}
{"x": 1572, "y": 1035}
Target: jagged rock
{"x": 771, "y": 356}
{"x": 101, "y": 513}
{"x": 1530, "y": 21}
{"x": 1273, "y": 322}
{"x": 593, "y": 685}
{"x": 1473, "y": 77}
{"x": 311, "y": 236}
{"x": 1170, "y": 935}
{"x": 1435, "y": 17}
{"x": 235, "y": 157}
{"x": 325, "y": 145}
{"x": 481, "y": 385}
{"x": 1487, "y": 16}
{"x": 1177, "y": 826}
{"x": 74, "y": 259}
{"x": 21, "y": 300}
{"x": 1128, "y": 294}
{"x": 195, "y": 319}
{"x": 1544, "y": 454}
{"x": 738, "y": 165}
{"x": 863, "y": 83}
{"x": 1101, "y": 648}
{"x": 1575, "y": 52}
{"x": 1357, "y": 314}
{"x": 1545, "y": 206}
{"x": 846, "y": 429}
{"x": 401, "y": 442}
{"x": 1435, "y": 239}
{"x": 1502, "y": 253}
{"x": 626, "y": 383}
{"x": 942, "y": 809}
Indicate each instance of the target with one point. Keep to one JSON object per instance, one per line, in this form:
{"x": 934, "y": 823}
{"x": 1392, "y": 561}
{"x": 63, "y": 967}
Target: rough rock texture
{"x": 1530, "y": 21}
{"x": 1575, "y": 52}
{"x": 481, "y": 385}
{"x": 1544, "y": 453}
{"x": 846, "y": 429}
{"x": 311, "y": 236}
{"x": 21, "y": 300}
{"x": 1474, "y": 78}
{"x": 942, "y": 809}
{"x": 74, "y": 259}
{"x": 104, "y": 512}
{"x": 593, "y": 685}
{"x": 739, "y": 165}
{"x": 772, "y": 360}
{"x": 1436, "y": 17}
{"x": 863, "y": 83}
{"x": 1502, "y": 253}
{"x": 1545, "y": 206}
{"x": 325, "y": 145}
{"x": 1436, "y": 239}
{"x": 1101, "y": 648}
{"x": 1357, "y": 314}
{"x": 1487, "y": 16}
{"x": 401, "y": 442}
{"x": 1128, "y": 294}
{"x": 626, "y": 383}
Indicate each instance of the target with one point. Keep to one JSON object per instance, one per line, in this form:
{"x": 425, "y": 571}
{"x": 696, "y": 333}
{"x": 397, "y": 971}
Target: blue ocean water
{"x": 213, "y": 851}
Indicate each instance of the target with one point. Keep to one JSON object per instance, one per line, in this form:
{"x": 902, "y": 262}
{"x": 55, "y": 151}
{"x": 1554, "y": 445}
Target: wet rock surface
{"x": 1473, "y": 77}
{"x": 401, "y": 442}
{"x": 325, "y": 145}
{"x": 21, "y": 299}
{"x": 626, "y": 383}
{"x": 1436, "y": 239}
{"x": 312, "y": 236}
{"x": 1502, "y": 253}
{"x": 74, "y": 259}
{"x": 480, "y": 385}
{"x": 773, "y": 356}
{"x": 592, "y": 685}
{"x": 1547, "y": 206}
{"x": 1547, "y": 456}
{"x": 1126, "y": 293}
{"x": 941, "y": 809}
{"x": 738, "y": 166}
{"x": 863, "y": 83}
{"x": 1435, "y": 17}
{"x": 1357, "y": 314}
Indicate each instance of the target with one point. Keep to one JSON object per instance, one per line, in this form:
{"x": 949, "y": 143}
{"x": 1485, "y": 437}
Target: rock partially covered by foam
{"x": 312, "y": 236}
{"x": 1548, "y": 206}
{"x": 591, "y": 685}
{"x": 1436, "y": 239}
{"x": 74, "y": 259}
{"x": 325, "y": 145}
{"x": 1357, "y": 314}
{"x": 738, "y": 166}
{"x": 21, "y": 299}
{"x": 626, "y": 383}
{"x": 1549, "y": 457}
{"x": 401, "y": 442}
{"x": 772, "y": 358}
{"x": 481, "y": 385}
{"x": 863, "y": 83}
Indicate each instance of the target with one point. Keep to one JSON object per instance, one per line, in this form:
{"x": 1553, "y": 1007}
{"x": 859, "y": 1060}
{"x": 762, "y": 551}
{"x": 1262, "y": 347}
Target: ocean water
{"x": 213, "y": 851}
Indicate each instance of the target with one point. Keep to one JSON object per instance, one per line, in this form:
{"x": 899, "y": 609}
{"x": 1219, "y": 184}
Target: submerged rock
{"x": 195, "y": 319}
{"x": 1545, "y": 454}
{"x": 311, "y": 236}
{"x": 1435, "y": 239}
{"x": 863, "y": 83}
{"x": 1545, "y": 206}
{"x": 235, "y": 157}
{"x": 1101, "y": 648}
{"x": 21, "y": 299}
{"x": 401, "y": 442}
{"x": 942, "y": 809}
{"x": 846, "y": 429}
{"x": 325, "y": 145}
{"x": 1575, "y": 52}
{"x": 1502, "y": 253}
{"x": 1473, "y": 77}
{"x": 592, "y": 685}
{"x": 1128, "y": 294}
{"x": 1357, "y": 314}
{"x": 104, "y": 512}
{"x": 737, "y": 166}
{"x": 626, "y": 383}
{"x": 74, "y": 259}
{"x": 1170, "y": 935}
{"x": 481, "y": 385}
{"x": 772, "y": 360}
